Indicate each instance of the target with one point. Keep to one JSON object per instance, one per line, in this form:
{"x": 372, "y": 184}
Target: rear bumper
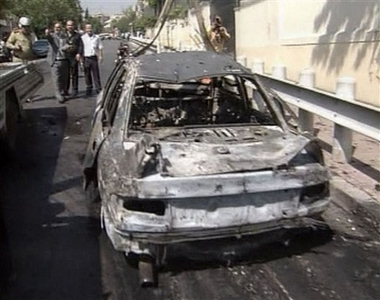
{"x": 132, "y": 240}
{"x": 174, "y": 210}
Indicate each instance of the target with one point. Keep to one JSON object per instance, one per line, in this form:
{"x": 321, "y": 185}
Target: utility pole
{"x": 201, "y": 25}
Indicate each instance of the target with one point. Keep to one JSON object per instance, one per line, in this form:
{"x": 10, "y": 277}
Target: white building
{"x": 108, "y": 25}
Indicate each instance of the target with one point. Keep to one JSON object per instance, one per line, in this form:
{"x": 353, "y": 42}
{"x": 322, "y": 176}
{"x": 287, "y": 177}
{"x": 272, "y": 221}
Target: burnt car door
{"x": 101, "y": 124}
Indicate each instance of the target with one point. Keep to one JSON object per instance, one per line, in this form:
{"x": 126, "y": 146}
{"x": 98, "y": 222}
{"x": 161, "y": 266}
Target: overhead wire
{"x": 164, "y": 14}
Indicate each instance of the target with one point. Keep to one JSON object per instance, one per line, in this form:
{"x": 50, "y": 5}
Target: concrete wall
{"x": 183, "y": 34}
{"x": 333, "y": 37}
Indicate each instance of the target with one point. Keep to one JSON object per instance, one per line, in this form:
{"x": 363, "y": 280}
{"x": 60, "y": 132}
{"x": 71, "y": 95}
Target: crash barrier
{"x": 341, "y": 108}
{"x": 29, "y": 76}
{"x": 18, "y": 82}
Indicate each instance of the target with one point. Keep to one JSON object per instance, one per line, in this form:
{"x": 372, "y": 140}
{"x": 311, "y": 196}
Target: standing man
{"x": 74, "y": 54}
{"x": 21, "y": 41}
{"x": 93, "y": 54}
{"x": 60, "y": 62}
{"x": 218, "y": 35}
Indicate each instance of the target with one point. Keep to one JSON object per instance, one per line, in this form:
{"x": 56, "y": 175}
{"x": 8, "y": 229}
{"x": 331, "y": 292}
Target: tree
{"x": 130, "y": 19}
{"x": 157, "y": 5}
{"x": 180, "y": 7}
{"x": 123, "y": 24}
{"x": 86, "y": 14}
{"x": 178, "y": 12}
{"x": 144, "y": 22}
{"x": 97, "y": 26}
{"x": 5, "y": 7}
{"x": 45, "y": 12}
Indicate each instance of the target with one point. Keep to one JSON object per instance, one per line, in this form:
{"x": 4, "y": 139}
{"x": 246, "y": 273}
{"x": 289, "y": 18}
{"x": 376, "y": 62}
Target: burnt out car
{"x": 191, "y": 146}
{"x": 122, "y": 51}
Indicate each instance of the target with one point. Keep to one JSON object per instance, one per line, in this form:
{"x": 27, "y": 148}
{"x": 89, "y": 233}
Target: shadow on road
{"x": 246, "y": 250}
{"x": 45, "y": 255}
{"x": 66, "y": 184}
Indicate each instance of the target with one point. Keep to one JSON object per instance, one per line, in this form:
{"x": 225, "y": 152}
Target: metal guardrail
{"x": 25, "y": 79}
{"x": 30, "y": 74}
{"x": 19, "y": 80}
{"x": 347, "y": 114}
{"x": 10, "y": 72}
{"x": 356, "y": 116}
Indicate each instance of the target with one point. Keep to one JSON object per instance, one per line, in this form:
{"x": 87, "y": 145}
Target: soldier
{"x": 21, "y": 41}
{"x": 218, "y": 35}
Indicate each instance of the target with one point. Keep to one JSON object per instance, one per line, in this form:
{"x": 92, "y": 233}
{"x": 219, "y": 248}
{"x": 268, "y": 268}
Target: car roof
{"x": 182, "y": 66}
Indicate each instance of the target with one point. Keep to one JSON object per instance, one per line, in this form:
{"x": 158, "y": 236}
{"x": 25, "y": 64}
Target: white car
{"x": 191, "y": 146}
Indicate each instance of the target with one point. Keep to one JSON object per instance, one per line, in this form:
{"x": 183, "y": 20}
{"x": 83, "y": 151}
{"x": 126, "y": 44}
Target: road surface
{"x": 53, "y": 247}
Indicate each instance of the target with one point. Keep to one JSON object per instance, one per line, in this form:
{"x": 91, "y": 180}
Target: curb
{"x": 353, "y": 199}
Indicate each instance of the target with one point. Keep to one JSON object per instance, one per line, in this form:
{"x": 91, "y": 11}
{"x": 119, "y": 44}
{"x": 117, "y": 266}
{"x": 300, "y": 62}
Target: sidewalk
{"x": 360, "y": 179}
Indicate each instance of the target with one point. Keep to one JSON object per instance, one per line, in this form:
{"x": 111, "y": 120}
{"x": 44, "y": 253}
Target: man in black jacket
{"x": 74, "y": 54}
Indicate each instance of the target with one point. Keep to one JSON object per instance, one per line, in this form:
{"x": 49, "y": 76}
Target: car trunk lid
{"x": 200, "y": 151}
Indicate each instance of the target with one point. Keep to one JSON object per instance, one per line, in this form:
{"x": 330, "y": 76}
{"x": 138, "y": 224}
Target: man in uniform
{"x": 21, "y": 41}
{"x": 60, "y": 62}
{"x": 74, "y": 54}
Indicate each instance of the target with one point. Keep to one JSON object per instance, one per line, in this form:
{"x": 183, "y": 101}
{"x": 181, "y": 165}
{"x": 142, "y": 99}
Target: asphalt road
{"x": 53, "y": 248}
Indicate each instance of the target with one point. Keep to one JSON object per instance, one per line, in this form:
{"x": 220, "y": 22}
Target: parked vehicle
{"x": 41, "y": 48}
{"x": 191, "y": 146}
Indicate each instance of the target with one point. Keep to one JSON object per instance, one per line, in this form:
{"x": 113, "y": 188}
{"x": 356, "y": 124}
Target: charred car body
{"x": 190, "y": 146}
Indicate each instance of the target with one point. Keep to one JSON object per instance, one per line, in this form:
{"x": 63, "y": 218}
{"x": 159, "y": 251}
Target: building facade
{"x": 335, "y": 38}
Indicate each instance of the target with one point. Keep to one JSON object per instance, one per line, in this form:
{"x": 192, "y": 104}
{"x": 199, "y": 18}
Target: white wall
{"x": 333, "y": 37}
{"x": 183, "y": 34}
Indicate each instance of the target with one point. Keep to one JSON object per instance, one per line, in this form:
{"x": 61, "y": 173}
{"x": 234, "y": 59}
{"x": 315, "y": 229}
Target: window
{"x": 204, "y": 101}
{"x": 112, "y": 96}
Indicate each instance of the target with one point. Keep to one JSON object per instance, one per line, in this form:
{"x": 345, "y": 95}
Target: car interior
{"x": 204, "y": 101}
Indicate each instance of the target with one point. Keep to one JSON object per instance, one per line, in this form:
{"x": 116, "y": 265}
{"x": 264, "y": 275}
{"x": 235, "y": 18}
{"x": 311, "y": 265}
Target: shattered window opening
{"x": 205, "y": 101}
{"x": 112, "y": 97}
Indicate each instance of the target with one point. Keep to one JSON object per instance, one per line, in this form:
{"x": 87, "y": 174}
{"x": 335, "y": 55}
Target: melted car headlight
{"x": 315, "y": 192}
{"x": 156, "y": 207}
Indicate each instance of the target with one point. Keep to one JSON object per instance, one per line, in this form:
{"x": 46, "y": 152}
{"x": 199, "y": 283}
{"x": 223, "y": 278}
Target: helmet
{"x": 24, "y": 21}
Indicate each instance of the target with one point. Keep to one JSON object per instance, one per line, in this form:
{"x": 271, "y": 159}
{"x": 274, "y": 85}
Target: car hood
{"x": 179, "y": 156}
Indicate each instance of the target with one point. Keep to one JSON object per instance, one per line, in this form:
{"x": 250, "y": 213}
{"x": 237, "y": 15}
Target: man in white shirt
{"x": 93, "y": 54}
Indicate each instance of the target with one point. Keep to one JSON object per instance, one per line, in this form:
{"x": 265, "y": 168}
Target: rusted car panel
{"x": 189, "y": 146}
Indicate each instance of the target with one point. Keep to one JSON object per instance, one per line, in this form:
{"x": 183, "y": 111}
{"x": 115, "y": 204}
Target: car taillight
{"x": 315, "y": 192}
{"x": 156, "y": 207}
